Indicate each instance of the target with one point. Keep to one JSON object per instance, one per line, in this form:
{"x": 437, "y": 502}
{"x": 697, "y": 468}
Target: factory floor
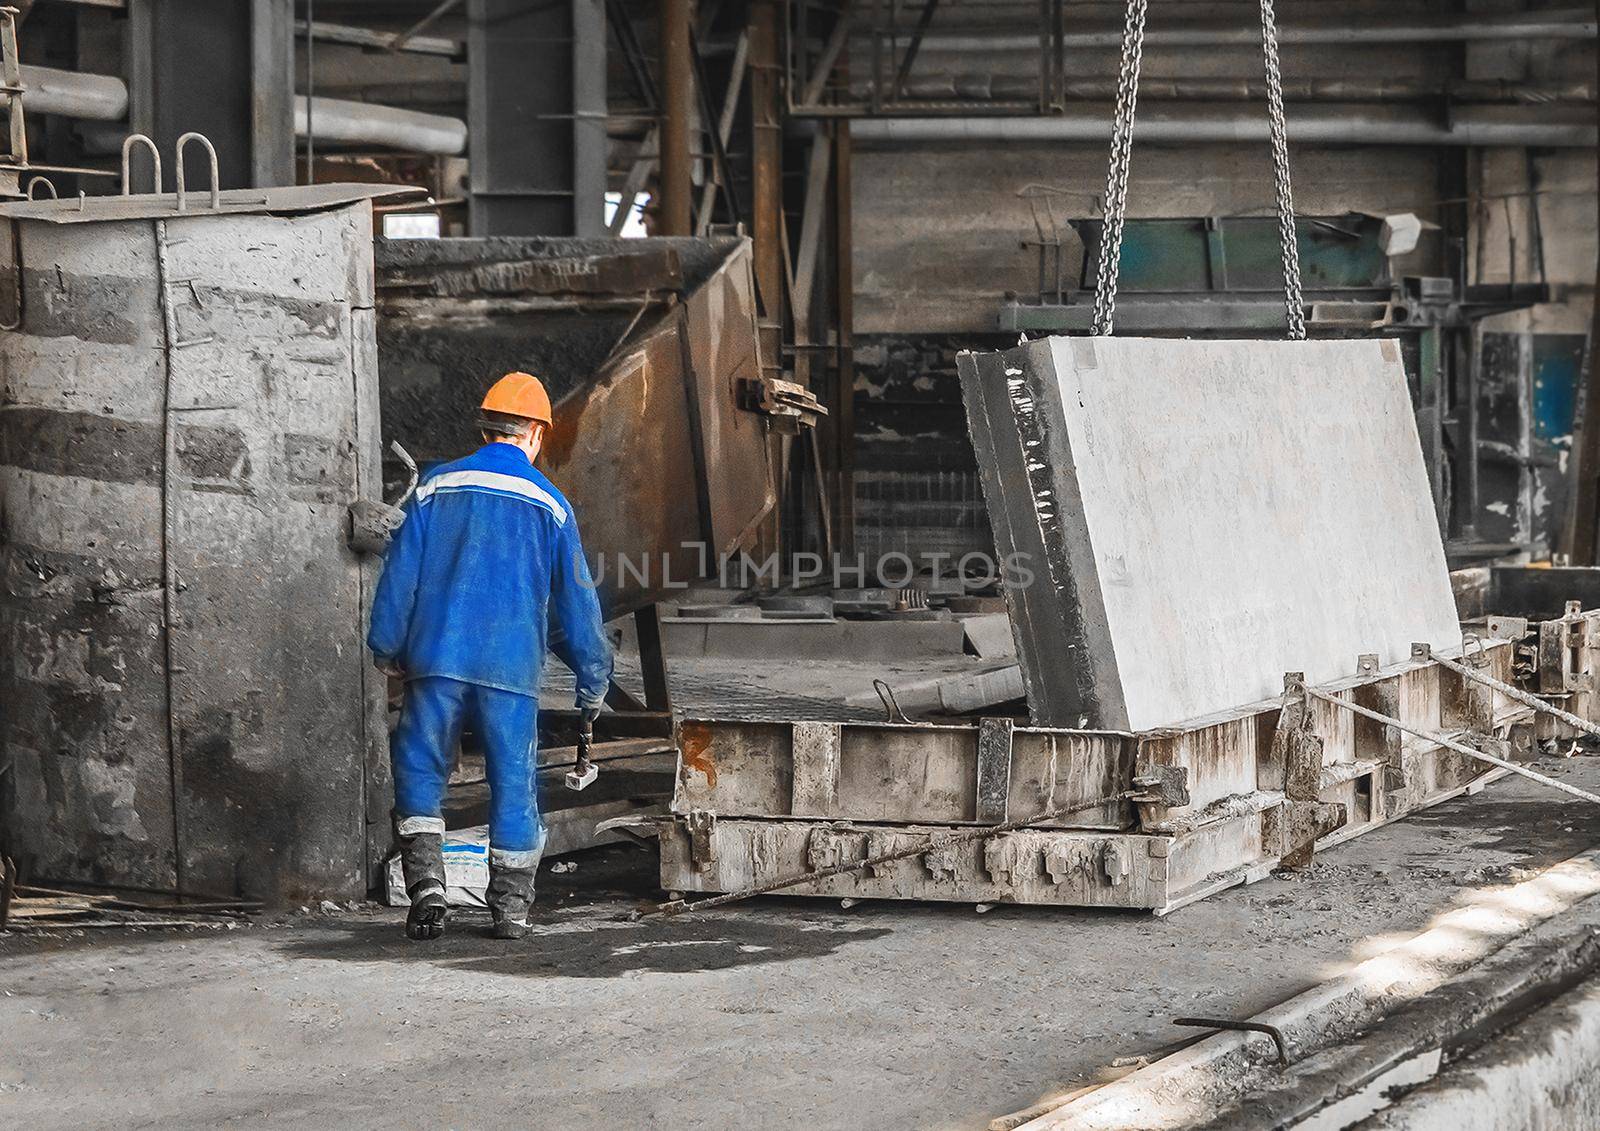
{"x": 779, "y": 1013}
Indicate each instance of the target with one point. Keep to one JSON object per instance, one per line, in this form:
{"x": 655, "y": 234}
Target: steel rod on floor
{"x": 1451, "y": 744}
{"x": 1518, "y": 694}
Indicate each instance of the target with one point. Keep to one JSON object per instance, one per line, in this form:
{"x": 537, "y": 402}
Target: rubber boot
{"x": 510, "y": 899}
{"x": 422, "y": 862}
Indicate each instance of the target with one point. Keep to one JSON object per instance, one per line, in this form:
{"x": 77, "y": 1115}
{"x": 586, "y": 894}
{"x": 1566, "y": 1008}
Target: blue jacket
{"x": 487, "y": 555}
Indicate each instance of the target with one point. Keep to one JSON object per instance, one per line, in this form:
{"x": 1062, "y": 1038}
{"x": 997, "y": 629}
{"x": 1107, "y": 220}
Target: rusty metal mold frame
{"x": 756, "y": 801}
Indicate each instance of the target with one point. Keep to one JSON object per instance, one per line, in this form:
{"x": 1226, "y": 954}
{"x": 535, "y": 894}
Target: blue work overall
{"x": 487, "y": 556}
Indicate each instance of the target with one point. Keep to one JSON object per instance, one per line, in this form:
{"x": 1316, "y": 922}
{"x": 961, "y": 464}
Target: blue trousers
{"x": 420, "y": 752}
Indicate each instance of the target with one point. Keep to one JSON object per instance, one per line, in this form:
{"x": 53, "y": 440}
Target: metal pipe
{"x": 72, "y": 94}
{"x": 1197, "y": 123}
{"x": 673, "y": 211}
{"x": 766, "y": 176}
{"x": 983, "y": 87}
{"x": 311, "y": 95}
{"x": 1573, "y": 23}
{"x": 104, "y": 98}
{"x": 346, "y": 122}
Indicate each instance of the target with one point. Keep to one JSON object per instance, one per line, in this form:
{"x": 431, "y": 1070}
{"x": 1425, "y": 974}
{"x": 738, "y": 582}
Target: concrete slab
{"x": 1199, "y": 517}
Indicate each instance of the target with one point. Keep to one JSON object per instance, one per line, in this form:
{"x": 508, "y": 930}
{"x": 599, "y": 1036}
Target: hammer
{"x": 583, "y": 774}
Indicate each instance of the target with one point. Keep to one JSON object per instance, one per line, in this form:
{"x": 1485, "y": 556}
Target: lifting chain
{"x": 1105, "y": 294}
{"x": 1116, "y": 196}
{"x": 1294, "y": 306}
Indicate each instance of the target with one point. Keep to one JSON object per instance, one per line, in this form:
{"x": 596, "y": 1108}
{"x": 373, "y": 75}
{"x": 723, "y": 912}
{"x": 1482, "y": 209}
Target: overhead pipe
{"x": 104, "y": 98}
{"x": 347, "y": 122}
{"x": 984, "y": 87}
{"x": 1565, "y": 23}
{"x": 1319, "y": 125}
{"x": 72, "y": 94}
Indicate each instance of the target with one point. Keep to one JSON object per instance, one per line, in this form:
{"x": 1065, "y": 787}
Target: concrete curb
{"x": 1540, "y": 1074}
{"x": 1188, "y": 1087}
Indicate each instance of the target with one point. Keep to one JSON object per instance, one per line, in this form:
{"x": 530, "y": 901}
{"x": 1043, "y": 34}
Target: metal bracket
{"x": 1298, "y": 825}
{"x": 824, "y": 848}
{"x": 1295, "y": 745}
{"x": 880, "y": 844}
{"x": 1298, "y": 749}
{"x": 372, "y": 525}
{"x": 1117, "y": 862}
{"x": 700, "y": 823}
{"x": 1004, "y": 860}
{"x": 940, "y": 862}
{"x": 1157, "y": 784}
{"x": 1060, "y": 861}
{"x": 788, "y": 405}
{"x": 994, "y": 770}
{"x": 1507, "y": 628}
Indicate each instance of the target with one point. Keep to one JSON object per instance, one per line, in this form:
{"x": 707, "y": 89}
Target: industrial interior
{"x": 912, "y": 564}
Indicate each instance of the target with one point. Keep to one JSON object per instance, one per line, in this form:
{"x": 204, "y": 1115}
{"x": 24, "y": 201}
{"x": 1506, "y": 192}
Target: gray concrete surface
{"x": 778, "y": 1014}
{"x": 1201, "y": 517}
{"x": 1537, "y": 1076}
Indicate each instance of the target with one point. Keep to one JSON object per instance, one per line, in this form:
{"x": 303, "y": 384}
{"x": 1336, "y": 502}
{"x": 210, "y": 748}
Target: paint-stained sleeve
{"x": 397, "y": 587}
{"x": 576, "y": 605}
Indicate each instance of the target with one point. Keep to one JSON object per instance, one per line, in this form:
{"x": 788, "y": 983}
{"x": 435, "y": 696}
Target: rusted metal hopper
{"x": 649, "y": 350}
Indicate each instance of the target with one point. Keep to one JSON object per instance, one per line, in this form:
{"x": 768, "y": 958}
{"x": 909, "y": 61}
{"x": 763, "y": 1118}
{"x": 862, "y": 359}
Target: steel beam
{"x": 536, "y": 110}
{"x": 766, "y": 206}
{"x": 224, "y": 68}
{"x": 674, "y": 203}
{"x": 1583, "y": 523}
{"x": 841, "y": 412}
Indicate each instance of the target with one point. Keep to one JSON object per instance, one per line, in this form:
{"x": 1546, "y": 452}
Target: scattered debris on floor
{"x": 27, "y": 907}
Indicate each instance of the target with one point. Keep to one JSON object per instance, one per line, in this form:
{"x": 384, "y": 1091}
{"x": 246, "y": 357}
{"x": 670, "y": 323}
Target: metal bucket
{"x": 648, "y": 347}
{"x": 190, "y": 406}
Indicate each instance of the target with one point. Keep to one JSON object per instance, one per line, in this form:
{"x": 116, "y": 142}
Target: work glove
{"x": 588, "y": 715}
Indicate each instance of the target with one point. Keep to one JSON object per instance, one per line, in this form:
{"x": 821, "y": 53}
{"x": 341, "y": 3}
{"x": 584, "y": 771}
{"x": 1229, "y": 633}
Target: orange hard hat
{"x": 519, "y": 394}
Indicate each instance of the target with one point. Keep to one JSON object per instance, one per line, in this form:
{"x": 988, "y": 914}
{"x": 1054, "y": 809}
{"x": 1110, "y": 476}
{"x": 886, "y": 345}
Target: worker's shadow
{"x": 595, "y": 944}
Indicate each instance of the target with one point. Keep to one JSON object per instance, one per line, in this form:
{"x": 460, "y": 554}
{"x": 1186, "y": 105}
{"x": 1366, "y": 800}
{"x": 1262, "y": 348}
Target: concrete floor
{"x": 780, "y": 1013}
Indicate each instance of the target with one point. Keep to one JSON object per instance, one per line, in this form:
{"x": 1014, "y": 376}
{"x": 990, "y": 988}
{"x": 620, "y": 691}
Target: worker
{"x": 487, "y": 557}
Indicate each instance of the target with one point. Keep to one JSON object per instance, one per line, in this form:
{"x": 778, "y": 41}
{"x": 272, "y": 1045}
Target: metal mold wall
{"x": 643, "y": 345}
{"x": 190, "y": 405}
{"x": 1202, "y": 516}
